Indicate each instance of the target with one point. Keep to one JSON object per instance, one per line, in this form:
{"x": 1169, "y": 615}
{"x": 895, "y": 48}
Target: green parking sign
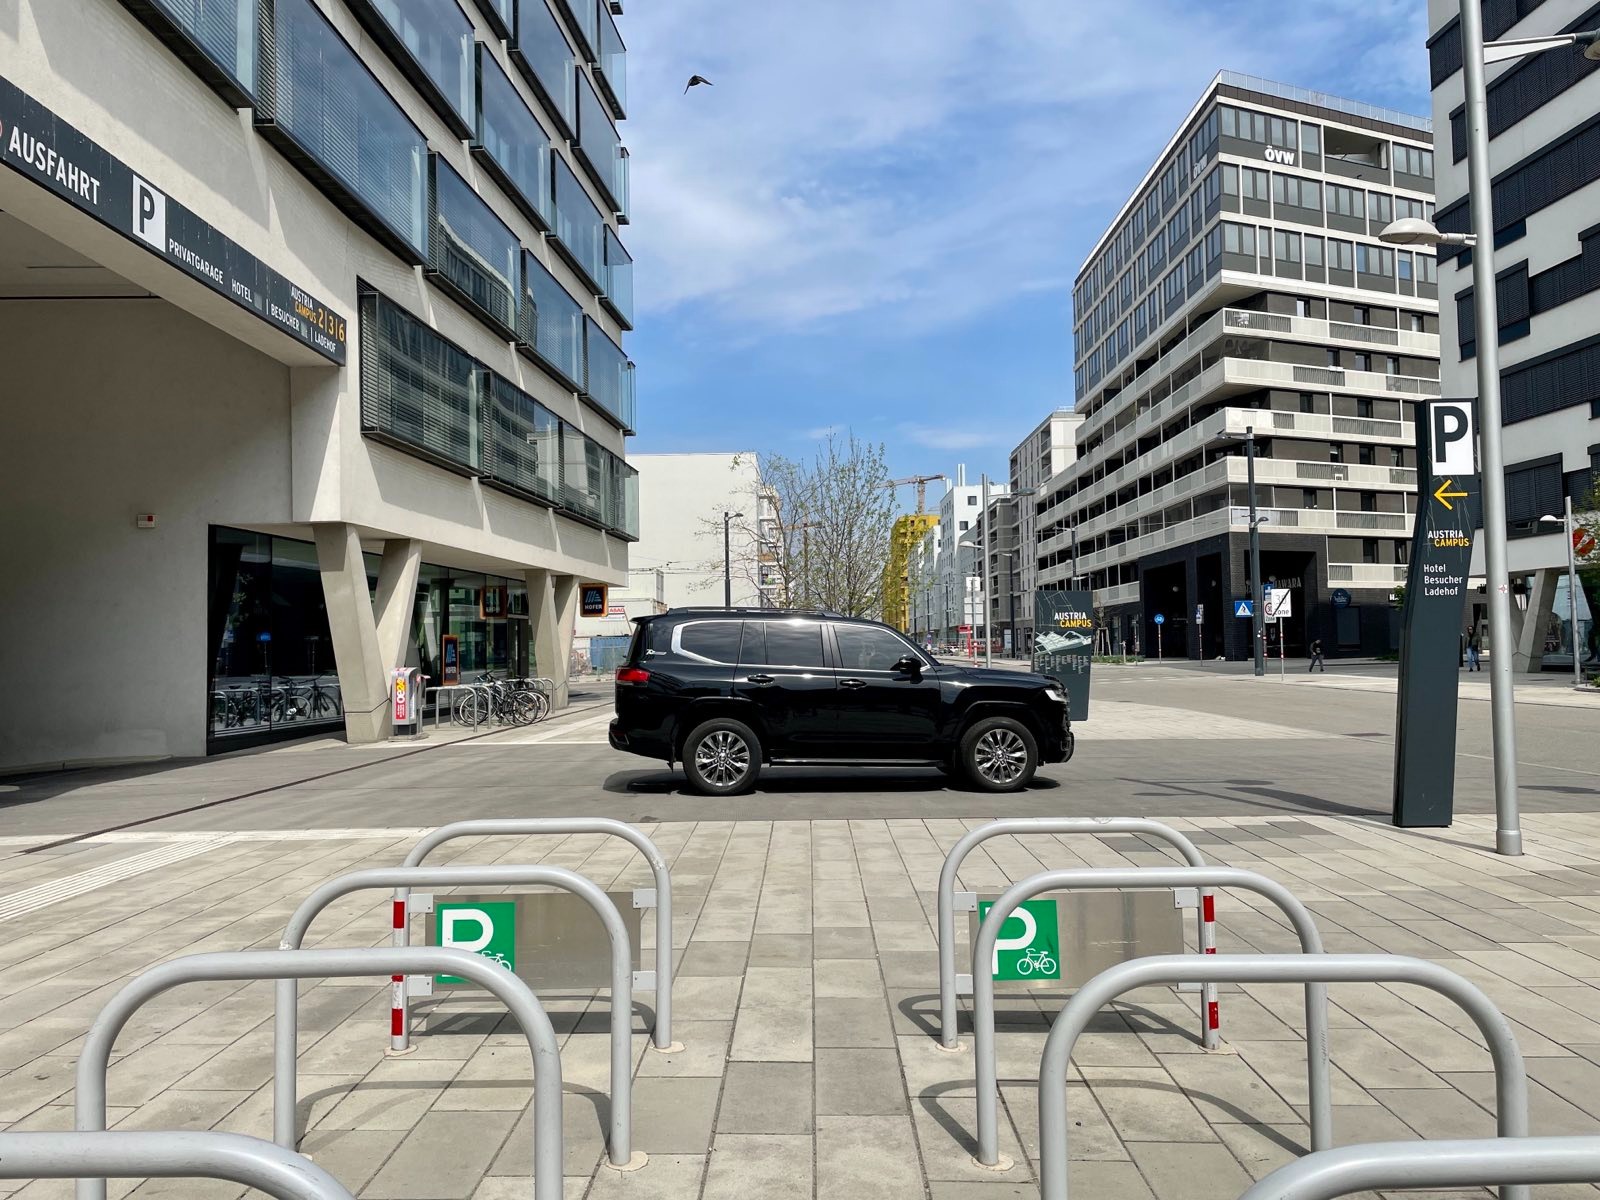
{"x": 1029, "y": 945}
{"x": 488, "y": 928}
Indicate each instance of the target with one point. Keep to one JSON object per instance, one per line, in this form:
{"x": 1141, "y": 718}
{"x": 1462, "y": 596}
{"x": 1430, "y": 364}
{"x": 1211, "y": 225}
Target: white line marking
{"x": 19, "y": 904}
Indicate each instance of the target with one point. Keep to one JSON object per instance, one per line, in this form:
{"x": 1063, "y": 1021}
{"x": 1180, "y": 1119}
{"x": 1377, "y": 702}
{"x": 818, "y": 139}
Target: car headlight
{"x": 1056, "y": 694}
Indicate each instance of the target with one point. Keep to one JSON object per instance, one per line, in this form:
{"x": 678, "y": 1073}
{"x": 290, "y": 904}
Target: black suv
{"x": 724, "y": 691}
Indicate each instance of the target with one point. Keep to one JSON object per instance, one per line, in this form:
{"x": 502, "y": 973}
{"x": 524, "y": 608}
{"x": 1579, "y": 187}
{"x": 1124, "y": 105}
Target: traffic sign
{"x": 1199, "y": 614}
{"x": 1583, "y": 542}
{"x": 1029, "y": 943}
{"x": 487, "y": 928}
{"x": 1160, "y": 619}
{"x": 1278, "y": 605}
{"x": 1244, "y": 608}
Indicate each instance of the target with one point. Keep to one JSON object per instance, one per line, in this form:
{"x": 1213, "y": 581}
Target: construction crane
{"x": 922, "y": 482}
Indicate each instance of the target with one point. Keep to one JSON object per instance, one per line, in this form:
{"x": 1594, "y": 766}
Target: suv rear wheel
{"x": 998, "y": 754}
{"x": 721, "y": 757}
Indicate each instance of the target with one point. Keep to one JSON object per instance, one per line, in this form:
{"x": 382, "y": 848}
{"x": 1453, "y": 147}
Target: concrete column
{"x": 552, "y": 614}
{"x": 396, "y": 602}
{"x": 363, "y": 678}
{"x": 1535, "y": 621}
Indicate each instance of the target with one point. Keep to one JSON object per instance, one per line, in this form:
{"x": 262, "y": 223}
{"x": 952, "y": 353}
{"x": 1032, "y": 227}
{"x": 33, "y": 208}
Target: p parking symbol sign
{"x": 1029, "y": 945}
{"x": 150, "y": 214}
{"x": 486, "y": 928}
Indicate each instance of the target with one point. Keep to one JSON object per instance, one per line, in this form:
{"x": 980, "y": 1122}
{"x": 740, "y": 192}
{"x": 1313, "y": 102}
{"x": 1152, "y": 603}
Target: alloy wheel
{"x": 1000, "y": 756}
{"x": 722, "y": 758}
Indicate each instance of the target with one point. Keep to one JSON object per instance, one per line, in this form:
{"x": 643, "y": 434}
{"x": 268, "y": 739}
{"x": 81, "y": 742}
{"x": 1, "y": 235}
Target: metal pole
{"x": 1510, "y": 1073}
{"x": 1508, "y": 819}
{"x": 727, "y": 563}
{"x": 983, "y": 578}
{"x": 1572, "y": 593}
{"x": 1380, "y": 1166}
{"x": 1258, "y": 627}
{"x": 89, "y": 1096}
{"x": 1318, "y": 1077}
{"x": 168, "y": 1154}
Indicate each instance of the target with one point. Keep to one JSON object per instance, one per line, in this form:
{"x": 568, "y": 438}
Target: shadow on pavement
{"x": 802, "y": 780}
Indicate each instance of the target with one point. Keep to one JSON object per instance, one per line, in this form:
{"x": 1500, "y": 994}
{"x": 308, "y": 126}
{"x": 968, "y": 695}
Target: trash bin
{"x": 405, "y": 700}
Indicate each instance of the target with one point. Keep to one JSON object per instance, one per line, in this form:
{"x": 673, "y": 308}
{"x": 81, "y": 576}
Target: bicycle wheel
{"x": 1024, "y": 965}
{"x": 524, "y": 709}
{"x": 541, "y": 704}
{"x": 1047, "y": 965}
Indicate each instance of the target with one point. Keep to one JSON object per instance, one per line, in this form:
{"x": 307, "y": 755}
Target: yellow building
{"x": 905, "y": 535}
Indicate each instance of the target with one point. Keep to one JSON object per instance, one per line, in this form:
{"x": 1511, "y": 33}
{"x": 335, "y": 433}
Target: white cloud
{"x": 917, "y": 162}
{"x": 947, "y": 437}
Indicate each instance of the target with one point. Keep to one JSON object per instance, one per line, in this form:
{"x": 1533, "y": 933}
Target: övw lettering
{"x": 1286, "y": 157}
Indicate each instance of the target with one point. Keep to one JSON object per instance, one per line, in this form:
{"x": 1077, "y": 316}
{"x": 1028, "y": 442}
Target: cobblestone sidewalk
{"x": 806, "y": 1002}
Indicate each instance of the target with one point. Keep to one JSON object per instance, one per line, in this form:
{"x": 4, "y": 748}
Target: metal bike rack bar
{"x": 1479, "y": 1162}
{"x": 168, "y": 1154}
{"x": 1210, "y": 1022}
{"x": 620, "y": 1142}
{"x": 661, "y": 901}
{"x": 1511, "y": 1079}
{"x": 1081, "y": 878}
{"x": 95, "y": 1059}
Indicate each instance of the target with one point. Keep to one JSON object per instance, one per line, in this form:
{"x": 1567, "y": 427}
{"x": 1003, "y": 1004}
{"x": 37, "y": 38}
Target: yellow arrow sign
{"x": 1444, "y": 495}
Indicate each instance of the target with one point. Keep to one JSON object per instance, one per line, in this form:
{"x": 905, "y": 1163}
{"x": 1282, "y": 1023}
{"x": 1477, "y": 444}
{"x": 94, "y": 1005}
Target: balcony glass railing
{"x": 583, "y": 16}
{"x": 608, "y": 375}
{"x": 473, "y": 252}
{"x": 551, "y": 322}
{"x": 599, "y": 145}
{"x": 417, "y": 389}
{"x": 224, "y": 31}
{"x": 612, "y": 65}
{"x": 523, "y": 450}
{"x": 502, "y": 14}
{"x": 331, "y": 114}
{"x": 512, "y": 142}
{"x": 579, "y": 228}
{"x": 619, "y": 279}
{"x": 548, "y": 61}
{"x": 437, "y": 39}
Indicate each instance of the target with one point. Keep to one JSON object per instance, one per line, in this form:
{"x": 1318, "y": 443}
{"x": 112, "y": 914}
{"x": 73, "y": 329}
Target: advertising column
{"x": 1063, "y": 643}
{"x": 1435, "y": 602}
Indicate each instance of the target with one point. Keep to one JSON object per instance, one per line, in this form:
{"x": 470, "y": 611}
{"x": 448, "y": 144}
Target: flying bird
{"x": 695, "y": 81}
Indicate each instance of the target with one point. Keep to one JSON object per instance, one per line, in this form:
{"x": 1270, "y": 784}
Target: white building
{"x": 1046, "y": 452}
{"x": 1544, "y": 158}
{"x": 312, "y": 333}
{"x": 946, "y": 587}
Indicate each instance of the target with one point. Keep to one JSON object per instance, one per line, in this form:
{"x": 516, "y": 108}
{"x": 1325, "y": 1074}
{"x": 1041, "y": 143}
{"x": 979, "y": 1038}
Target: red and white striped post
{"x": 399, "y": 1033}
{"x": 1212, "y": 1016}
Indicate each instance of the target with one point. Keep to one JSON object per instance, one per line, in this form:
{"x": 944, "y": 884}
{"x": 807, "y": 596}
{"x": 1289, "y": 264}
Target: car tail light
{"x": 632, "y": 675}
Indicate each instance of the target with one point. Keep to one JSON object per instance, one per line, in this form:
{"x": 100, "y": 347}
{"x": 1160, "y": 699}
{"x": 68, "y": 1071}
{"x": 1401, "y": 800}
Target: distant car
{"x": 728, "y": 691}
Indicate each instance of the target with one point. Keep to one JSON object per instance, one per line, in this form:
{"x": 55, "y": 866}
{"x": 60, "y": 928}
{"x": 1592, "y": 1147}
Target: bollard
{"x": 168, "y": 1154}
{"x": 1479, "y": 1162}
{"x": 1210, "y": 1019}
{"x": 1511, "y": 1078}
{"x": 1079, "y": 878}
{"x": 95, "y": 1059}
{"x": 661, "y": 1034}
{"x": 620, "y": 1143}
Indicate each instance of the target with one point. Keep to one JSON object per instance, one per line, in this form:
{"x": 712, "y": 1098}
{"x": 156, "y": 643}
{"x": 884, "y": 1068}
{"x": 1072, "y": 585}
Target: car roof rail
{"x": 720, "y": 610}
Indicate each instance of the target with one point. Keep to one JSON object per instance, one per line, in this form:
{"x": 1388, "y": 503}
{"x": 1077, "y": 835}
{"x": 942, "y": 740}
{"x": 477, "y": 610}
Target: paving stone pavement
{"x": 806, "y": 1003}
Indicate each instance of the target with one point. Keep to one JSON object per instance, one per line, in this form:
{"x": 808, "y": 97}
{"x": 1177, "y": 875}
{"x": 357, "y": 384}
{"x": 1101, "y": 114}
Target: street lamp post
{"x": 1475, "y": 55}
{"x": 1257, "y": 617}
{"x": 727, "y": 558}
{"x": 983, "y": 576}
{"x": 1569, "y": 524}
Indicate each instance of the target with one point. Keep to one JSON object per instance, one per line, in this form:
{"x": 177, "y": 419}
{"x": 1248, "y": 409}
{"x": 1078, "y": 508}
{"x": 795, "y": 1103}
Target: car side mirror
{"x": 908, "y": 664}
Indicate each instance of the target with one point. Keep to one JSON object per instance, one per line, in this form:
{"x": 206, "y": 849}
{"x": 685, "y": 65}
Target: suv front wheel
{"x": 998, "y": 754}
{"x": 721, "y": 757}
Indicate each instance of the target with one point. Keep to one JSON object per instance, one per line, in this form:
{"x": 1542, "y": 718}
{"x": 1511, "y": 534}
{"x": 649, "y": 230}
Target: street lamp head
{"x": 1589, "y": 39}
{"x": 1411, "y": 231}
{"x": 1552, "y": 520}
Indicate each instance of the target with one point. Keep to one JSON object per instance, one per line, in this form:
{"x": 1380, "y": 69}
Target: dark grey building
{"x": 1243, "y": 287}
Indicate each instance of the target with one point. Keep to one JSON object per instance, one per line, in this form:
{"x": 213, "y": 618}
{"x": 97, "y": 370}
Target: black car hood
{"x": 976, "y": 675}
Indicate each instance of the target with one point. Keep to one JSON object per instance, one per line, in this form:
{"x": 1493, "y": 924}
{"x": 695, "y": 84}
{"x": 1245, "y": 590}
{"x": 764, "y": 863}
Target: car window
{"x": 753, "y": 649}
{"x": 868, "y": 648}
{"x": 714, "y": 641}
{"x": 794, "y": 644}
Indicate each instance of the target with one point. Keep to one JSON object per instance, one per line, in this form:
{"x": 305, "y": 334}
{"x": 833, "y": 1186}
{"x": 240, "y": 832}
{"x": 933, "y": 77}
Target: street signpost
{"x": 1436, "y": 598}
{"x": 1063, "y": 643}
{"x": 1029, "y": 945}
{"x": 1244, "y": 608}
{"x": 547, "y": 939}
{"x": 1160, "y": 621}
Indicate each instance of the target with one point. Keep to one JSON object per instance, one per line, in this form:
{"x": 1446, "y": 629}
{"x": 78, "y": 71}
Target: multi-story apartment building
{"x": 945, "y": 580}
{"x": 1047, "y": 451}
{"x": 1544, "y": 157}
{"x": 313, "y": 319}
{"x": 1242, "y": 287}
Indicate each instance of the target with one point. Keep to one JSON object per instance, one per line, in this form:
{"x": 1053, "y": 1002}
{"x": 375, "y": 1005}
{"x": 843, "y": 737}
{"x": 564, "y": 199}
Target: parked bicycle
{"x": 502, "y": 701}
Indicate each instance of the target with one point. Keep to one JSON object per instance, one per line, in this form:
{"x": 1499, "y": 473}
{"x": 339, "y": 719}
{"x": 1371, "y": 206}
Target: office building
{"x": 946, "y": 588}
{"x": 1544, "y": 158}
{"x": 313, "y": 321}
{"x": 1048, "y": 450}
{"x": 1242, "y": 287}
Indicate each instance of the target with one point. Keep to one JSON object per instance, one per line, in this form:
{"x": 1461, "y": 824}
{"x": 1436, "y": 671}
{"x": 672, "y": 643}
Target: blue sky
{"x": 872, "y": 219}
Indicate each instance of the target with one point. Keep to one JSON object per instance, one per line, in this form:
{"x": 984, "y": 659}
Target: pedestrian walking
{"x": 1474, "y": 652}
{"x": 1316, "y": 657}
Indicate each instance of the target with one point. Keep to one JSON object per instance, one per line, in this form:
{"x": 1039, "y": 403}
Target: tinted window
{"x": 794, "y": 644}
{"x": 754, "y": 647}
{"x": 714, "y": 640}
{"x": 865, "y": 648}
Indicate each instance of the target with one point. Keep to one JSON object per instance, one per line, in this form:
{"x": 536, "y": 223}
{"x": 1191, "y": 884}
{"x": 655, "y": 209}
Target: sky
{"x": 872, "y": 218}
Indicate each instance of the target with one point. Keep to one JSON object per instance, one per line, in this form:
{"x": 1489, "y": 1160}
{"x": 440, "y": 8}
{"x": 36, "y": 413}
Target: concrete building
{"x": 947, "y": 578}
{"x": 680, "y": 535}
{"x": 1242, "y": 287}
{"x": 1544, "y": 157}
{"x": 313, "y": 317}
{"x": 1047, "y": 451}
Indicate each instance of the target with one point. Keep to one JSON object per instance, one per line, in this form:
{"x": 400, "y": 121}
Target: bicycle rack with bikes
{"x": 660, "y": 899}
{"x": 1082, "y": 878}
{"x": 1511, "y": 1079}
{"x": 290, "y": 965}
{"x": 167, "y": 1154}
{"x": 620, "y": 1143}
{"x": 949, "y": 899}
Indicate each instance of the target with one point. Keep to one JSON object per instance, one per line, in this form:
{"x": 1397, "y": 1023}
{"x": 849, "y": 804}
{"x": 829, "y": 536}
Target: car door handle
{"x": 852, "y": 683}
{"x": 760, "y": 680}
